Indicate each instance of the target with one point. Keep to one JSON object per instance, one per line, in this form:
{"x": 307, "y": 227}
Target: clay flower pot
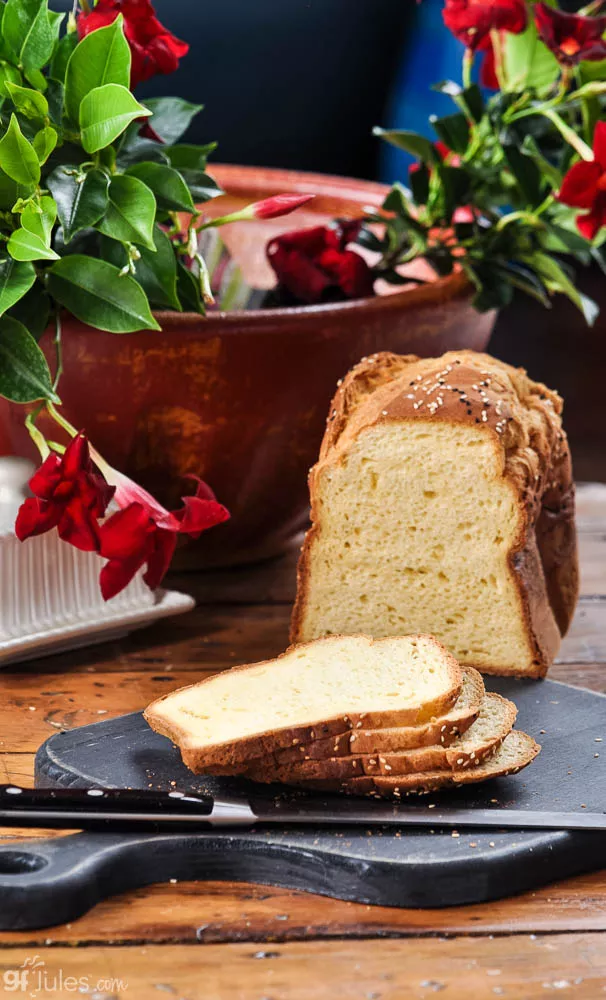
{"x": 241, "y": 398}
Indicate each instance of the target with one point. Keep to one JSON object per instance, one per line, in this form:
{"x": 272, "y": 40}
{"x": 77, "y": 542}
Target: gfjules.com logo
{"x": 35, "y": 980}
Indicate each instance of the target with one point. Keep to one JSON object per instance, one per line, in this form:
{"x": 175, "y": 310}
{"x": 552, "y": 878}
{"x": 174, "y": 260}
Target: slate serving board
{"x": 47, "y": 882}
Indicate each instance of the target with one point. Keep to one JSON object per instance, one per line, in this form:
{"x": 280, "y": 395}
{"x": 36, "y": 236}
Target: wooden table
{"x": 213, "y": 941}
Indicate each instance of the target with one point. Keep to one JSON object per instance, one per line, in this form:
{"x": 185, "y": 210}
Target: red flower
{"x": 154, "y": 49}
{"x": 571, "y": 37}
{"x": 145, "y": 533}
{"x": 314, "y": 264}
{"x": 471, "y": 21}
{"x": 584, "y": 186}
{"x": 70, "y": 495}
{"x": 279, "y": 204}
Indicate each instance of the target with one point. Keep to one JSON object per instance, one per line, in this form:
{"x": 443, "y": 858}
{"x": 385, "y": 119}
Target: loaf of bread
{"x": 443, "y": 502}
{"x": 321, "y": 689}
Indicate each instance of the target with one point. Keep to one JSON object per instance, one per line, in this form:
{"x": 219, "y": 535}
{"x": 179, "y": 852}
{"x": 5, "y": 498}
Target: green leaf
{"x": 28, "y": 30}
{"x": 190, "y": 157}
{"x": 28, "y": 102}
{"x": 155, "y": 272}
{"x": 550, "y": 172}
{"x": 101, "y": 57}
{"x": 104, "y": 114}
{"x": 24, "y": 373}
{"x": 10, "y": 192}
{"x": 33, "y": 310}
{"x": 171, "y": 191}
{"x": 40, "y": 218}
{"x": 62, "y": 54}
{"x": 453, "y": 130}
{"x": 24, "y": 245}
{"x": 556, "y": 280}
{"x": 188, "y": 290}
{"x": 202, "y": 187}
{"x": 18, "y": 157}
{"x": 471, "y": 100}
{"x": 171, "y": 117}
{"x": 131, "y": 212}
{"x": 15, "y": 281}
{"x": 525, "y": 171}
{"x": 527, "y": 61}
{"x": 96, "y": 293}
{"x": 8, "y": 74}
{"x": 410, "y": 142}
{"x": 419, "y": 183}
{"x": 44, "y": 143}
{"x": 82, "y": 199}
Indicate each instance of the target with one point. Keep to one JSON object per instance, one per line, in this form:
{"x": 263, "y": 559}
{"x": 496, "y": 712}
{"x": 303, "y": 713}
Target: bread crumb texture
{"x": 443, "y": 503}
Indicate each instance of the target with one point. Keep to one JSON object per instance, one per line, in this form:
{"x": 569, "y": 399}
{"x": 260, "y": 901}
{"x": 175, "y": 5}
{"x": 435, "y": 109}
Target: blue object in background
{"x": 432, "y": 55}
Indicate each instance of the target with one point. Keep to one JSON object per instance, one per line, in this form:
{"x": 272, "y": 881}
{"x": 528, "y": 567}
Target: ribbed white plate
{"x": 50, "y": 599}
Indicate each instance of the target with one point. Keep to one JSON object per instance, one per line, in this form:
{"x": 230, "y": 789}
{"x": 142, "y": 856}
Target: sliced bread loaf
{"x": 320, "y": 688}
{"x": 485, "y": 736}
{"x": 517, "y": 751}
{"x": 443, "y": 502}
{"x": 442, "y": 731}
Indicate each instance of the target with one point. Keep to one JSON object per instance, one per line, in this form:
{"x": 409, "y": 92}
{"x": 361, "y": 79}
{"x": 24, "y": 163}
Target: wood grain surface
{"x": 260, "y": 942}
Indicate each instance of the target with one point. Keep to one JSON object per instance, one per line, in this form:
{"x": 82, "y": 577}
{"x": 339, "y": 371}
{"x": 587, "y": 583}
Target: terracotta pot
{"x": 241, "y": 398}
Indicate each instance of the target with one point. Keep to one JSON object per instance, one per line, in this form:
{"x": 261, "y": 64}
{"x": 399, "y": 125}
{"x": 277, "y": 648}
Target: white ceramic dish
{"x": 50, "y": 599}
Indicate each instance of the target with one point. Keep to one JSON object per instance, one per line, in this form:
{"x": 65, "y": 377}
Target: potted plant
{"x": 103, "y": 208}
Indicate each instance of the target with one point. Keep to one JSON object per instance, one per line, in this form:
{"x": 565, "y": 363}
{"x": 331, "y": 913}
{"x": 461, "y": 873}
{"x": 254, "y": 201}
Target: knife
{"x": 134, "y": 809}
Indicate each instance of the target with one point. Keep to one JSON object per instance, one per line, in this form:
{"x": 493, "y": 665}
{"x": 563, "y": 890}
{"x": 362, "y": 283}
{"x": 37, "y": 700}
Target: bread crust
{"x": 517, "y": 751}
{"x": 422, "y": 759}
{"x": 228, "y": 757}
{"x": 523, "y": 419}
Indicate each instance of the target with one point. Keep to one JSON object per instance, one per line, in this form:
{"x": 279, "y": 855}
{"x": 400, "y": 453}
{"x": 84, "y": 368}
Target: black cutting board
{"x": 49, "y": 882}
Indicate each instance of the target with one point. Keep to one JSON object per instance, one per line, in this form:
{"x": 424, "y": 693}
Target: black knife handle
{"x": 106, "y": 800}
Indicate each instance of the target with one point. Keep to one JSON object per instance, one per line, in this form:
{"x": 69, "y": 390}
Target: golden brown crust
{"x": 228, "y": 758}
{"x": 422, "y": 759}
{"x": 517, "y": 751}
{"x": 465, "y": 387}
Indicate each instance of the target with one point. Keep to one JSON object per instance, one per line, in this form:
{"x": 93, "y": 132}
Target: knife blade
{"x": 102, "y": 808}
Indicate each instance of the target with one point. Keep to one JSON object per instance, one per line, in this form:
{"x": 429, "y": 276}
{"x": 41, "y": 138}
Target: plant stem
{"x": 60, "y": 419}
{"x": 36, "y": 435}
{"x": 495, "y": 37}
{"x": 58, "y": 351}
{"x": 467, "y": 67}
{"x": 584, "y": 151}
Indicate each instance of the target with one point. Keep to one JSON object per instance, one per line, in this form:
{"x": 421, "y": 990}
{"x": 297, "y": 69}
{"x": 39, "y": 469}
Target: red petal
{"x": 76, "y": 458}
{"x": 579, "y": 185}
{"x": 126, "y": 533}
{"x": 45, "y": 479}
{"x": 159, "y": 558}
{"x": 599, "y": 144}
{"x": 117, "y": 574}
{"x": 79, "y": 527}
{"x": 199, "y": 515}
{"x": 35, "y": 517}
{"x": 590, "y": 225}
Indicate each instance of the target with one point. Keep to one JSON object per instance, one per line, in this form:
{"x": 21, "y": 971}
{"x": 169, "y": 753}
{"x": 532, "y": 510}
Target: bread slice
{"x": 485, "y": 736}
{"x": 320, "y": 688}
{"x": 443, "y": 730}
{"x": 517, "y": 751}
{"x": 443, "y": 502}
